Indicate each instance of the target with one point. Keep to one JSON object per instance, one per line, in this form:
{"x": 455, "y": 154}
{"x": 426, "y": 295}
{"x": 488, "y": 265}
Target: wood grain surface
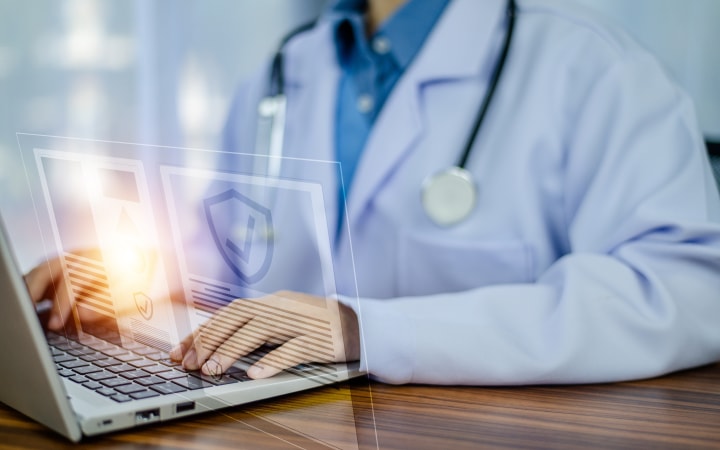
{"x": 681, "y": 410}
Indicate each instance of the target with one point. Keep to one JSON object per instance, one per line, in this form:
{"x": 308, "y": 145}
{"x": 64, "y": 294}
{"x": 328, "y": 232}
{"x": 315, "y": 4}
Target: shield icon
{"x": 144, "y": 305}
{"x": 242, "y": 231}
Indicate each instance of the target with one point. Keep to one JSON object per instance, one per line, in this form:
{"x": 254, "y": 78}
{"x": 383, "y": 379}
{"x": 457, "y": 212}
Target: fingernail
{"x": 211, "y": 368}
{"x": 54, "y": 323}
{"x": 190, "y": 360}
{"x": 255, "y": 371}
{"x": 175, "y": 354}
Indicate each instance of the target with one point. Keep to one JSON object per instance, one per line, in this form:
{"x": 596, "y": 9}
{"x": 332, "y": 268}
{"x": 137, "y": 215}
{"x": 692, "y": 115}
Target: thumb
{"x": 288, "y": 355}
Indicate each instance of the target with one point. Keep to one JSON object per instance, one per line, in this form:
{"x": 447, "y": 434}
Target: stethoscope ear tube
{"x": 277, "y": 70}
{"x": 270, "y": 132}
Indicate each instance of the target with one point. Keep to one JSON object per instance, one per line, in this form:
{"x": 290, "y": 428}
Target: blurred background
{"x": 163, "y": 71}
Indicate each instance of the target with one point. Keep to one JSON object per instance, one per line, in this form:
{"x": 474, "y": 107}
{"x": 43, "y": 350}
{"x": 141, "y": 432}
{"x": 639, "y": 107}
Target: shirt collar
{"x": 405, "y": 30}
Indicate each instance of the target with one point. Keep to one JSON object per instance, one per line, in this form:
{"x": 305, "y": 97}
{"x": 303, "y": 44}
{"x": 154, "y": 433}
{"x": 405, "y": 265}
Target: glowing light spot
{"x": 130, "y": 258}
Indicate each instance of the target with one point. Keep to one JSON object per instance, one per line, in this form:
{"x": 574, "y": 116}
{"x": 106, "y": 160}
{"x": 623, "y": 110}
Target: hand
{"x": 121, "y": 270}
{"x": 307, "y": 328}
{"x": 46, "y": 282}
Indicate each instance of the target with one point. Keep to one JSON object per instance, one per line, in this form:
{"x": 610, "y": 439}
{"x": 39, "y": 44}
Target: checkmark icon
{"x": 144, "y": 305}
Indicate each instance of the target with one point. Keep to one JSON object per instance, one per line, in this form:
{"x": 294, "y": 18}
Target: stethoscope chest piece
{"x": 448, "y": 197}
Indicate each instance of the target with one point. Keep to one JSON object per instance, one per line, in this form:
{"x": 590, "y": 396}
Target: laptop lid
{"x": 29, "y": 381}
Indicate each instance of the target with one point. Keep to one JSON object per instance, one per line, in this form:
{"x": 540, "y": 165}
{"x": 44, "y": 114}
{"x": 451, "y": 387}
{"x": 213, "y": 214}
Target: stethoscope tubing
{"x": 492, "y": 87}
{"x": 448, "y": 196}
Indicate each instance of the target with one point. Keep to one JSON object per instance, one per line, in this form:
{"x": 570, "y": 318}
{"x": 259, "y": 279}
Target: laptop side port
{"x": 148, "y": 415}
{"x": 184, "y": 407}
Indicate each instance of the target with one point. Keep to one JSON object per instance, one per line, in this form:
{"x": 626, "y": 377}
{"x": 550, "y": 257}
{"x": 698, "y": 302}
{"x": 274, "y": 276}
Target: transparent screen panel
{"x": 156, "y": 243}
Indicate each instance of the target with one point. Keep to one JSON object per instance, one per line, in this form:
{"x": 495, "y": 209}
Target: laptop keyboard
{"x": 131, "y": 372}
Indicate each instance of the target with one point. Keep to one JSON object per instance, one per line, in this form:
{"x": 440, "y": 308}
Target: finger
{"x": 190, "y": 359}
{"x": 46, "y": 281}
{"x": 61, "y": 308}
{"x": 225, "y": 320}
{"x": 212, "y": 334}
{"x": 246, "y": 339}
{"x": 290, "y": 354}
{"x": 207, "y": 339}
{"x": 40, "y": 280}
{"x": 177, "y": 352}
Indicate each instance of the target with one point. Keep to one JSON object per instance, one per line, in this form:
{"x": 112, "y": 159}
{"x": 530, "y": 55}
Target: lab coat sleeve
{"x": 638, "y": 295}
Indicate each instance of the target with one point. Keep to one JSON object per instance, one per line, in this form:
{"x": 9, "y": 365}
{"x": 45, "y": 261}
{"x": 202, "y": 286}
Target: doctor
{"x": 591, "y": 248}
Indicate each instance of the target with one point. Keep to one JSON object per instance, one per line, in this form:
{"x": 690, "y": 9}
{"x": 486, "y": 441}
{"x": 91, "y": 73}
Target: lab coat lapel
{"x": 311, "y": 79}
{"x": 456, "y": 49}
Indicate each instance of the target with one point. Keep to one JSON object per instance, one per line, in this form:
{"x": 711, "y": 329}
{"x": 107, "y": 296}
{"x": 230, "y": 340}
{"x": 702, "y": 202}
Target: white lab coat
{"x": 593, "y": 253}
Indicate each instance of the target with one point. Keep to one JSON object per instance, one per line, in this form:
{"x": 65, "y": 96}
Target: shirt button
{"x": 381, "y": 45}
{"x": 365, "y": 103}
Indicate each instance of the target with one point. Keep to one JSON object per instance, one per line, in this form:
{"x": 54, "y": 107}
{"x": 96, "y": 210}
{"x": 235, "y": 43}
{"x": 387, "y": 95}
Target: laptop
{"x": 113, "y": 372}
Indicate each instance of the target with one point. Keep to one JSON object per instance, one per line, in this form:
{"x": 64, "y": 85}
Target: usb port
{"x": 184, "y": 407}
{"x": 147, "y": 415}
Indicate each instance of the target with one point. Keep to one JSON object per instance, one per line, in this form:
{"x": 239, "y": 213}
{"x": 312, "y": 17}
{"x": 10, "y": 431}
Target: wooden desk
{"x": 677, "y": 411}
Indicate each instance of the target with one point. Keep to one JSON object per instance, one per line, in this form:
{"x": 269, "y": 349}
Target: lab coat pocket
{"x": 431, "y": 265}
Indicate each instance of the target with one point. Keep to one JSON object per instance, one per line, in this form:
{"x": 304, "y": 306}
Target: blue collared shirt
{"x": 370, "y": 69}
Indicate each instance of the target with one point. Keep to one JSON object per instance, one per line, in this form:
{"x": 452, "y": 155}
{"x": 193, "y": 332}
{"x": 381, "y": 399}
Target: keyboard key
{"x": 134, "y": 346}
{"x": 168, "y": 362}
{"x": 106, "y": 391}
{"x": 115, "y": 382}
{"x": 73, "y": 364}
{"x": 215, "y": 380}
{"x": 129, "y": 388}
{"x": 84, "y": 370}
{"x": 116, "y": 351}
{"x": 107, "y": 336}
{"x": 172, "y": 374}
{"x": 145, "y": 351}
{"x": 148, "y": 381}
{"x": 156, "y": 368}
{"x": 128, "y": 357}
{"x": 107, "y": 362}
{"x": 167, "y": 388}
{"x": 64, "y": 345}
{"x": 92, "y": 385}
{"x": 101, "y": 345}
{"x": 131, "y": 375}
{"x": 63, "y": 358}
{"x": 142, "y": 363}
{"x": 94, "y": 356}
{"x": 159, "y": 356}
{"x": 56, "y": 352}
{"x": 81, "y": 351}
{"x": 191, "y": 382}
{"x": 144, "y": 394}
{"x": 98, "y": 376}
{"x": 120, "y": 398}
{"x": 72, "y": 344}
{"x": 78, "y": 379}
{"x": 66, "y": 372}
{"x": 54, "y": 339}
{"x": 121, "y": 368}
{"x": 237, "y": 373}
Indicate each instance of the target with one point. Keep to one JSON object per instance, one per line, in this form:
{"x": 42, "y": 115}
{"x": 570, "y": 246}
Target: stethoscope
{"x": 448, "y": 196}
